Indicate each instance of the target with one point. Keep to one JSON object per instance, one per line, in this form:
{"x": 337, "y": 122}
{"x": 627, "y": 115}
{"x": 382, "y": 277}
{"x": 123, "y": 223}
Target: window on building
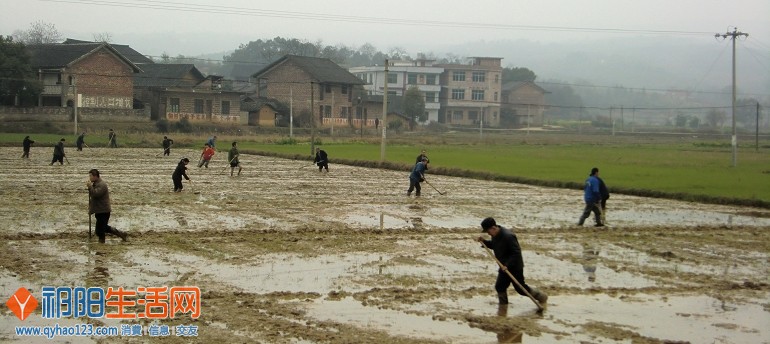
{"x": 72, "y": 80}
{"x": 497, "y": 78}
{"x": 457, "y": 115}
{"x": 458, "y": 93}
{"x": 392, "y": 78}
{"x": 328, "y": 88}
{"x": 174, "y": 104}
{"x": 198, "y": 106}
{"x": 458, "y": 76}
{"x": 344, "y": 89}
{"x": 495, "y": 96}
{"x": 411, "y": 78}
{"x": 473, "y": 115}
{"x": 327, "y": 111}
{"x": 430, "y": 97}
{"x": 479, "y": 76}
{"x": 477, "y": 94}
{"x": 430, "y": 79}
{"x": 392, "y": 93}
{"x": 225, "y": 107}
{"x": 369, "y": 78}
{"x": 321, "y": 92}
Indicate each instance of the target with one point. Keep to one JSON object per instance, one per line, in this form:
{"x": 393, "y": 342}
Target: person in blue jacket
{"x": 593, "y": 198}
{"x": 417, "y": 176}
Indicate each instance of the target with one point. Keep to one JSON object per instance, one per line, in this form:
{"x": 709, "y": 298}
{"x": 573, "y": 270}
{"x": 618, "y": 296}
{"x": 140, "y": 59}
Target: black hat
{"x": 594, "y": 170}
{"x": 185, "y": 160}
{"x": 487, "y": 223}
{"x": 62, "y": 139}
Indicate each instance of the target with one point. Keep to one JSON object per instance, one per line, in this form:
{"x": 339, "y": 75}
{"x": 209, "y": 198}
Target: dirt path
{"x": 284, "y": 254}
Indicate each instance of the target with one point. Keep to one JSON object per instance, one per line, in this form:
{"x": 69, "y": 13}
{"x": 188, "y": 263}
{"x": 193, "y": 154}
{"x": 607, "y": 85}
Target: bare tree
{"x": 104, "y": 37}
{"x": 39, "y": 32}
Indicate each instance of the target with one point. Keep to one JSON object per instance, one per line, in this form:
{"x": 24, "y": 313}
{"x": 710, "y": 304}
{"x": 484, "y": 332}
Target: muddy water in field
{"x": 285, "y": 254}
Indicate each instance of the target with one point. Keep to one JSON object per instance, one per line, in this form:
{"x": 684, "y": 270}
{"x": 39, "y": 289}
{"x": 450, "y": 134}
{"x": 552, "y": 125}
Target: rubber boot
{"x": 502, "y": 298}
{"x": 122, "y": 235}
{"x": 539, "y": 296}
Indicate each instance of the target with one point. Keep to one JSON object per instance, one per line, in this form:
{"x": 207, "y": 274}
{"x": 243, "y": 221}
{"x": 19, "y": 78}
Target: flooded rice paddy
{"x": 285, "y": 254}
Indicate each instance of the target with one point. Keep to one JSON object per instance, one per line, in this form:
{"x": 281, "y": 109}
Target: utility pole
{"x": 612, "y": 122}
{"x": 757, "y": 129}
{"x": 384, "y": 114}
{"x": 291, "y": 112}
{"x": 312, "y": 120}
{"x": 733, "y": 35}
{"x": 481, "y": 123}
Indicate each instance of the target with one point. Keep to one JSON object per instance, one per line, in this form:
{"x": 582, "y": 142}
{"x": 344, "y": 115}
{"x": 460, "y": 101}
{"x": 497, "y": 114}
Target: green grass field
{"x": 691, "y": 168}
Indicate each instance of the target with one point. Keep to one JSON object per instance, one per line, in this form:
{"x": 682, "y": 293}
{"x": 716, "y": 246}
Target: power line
{"x": 242, "y": 11}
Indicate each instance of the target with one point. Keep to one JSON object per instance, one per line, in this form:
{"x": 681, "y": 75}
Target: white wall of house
{"x": 404, "y": 74}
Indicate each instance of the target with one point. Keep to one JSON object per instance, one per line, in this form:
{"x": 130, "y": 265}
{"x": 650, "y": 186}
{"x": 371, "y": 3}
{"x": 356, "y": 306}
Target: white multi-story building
{"x": 401, "y": 76}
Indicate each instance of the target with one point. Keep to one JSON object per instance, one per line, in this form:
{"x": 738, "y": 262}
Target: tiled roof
{"x": 512, "y": 85}
{"x": 250, "y": 104}
{"x": 322, "y": 70}
{"x": 57, "y": 55}
{"x": 126, "y": 50}
{"x": 167, "y": 75}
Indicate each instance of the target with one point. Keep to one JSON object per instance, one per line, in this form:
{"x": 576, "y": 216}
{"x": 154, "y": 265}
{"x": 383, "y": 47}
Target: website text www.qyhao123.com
{"x": 56, "y": 330}
{"x": 125, "y": 330}
{"x": 153, "y": 303}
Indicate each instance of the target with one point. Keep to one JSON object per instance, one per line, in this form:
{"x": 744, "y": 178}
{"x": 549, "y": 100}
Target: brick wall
{"x": 104, "y": 80}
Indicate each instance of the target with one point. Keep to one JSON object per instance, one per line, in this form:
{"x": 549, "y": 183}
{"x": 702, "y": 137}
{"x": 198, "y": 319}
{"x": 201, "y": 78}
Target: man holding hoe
{"x": 508, "y": 254}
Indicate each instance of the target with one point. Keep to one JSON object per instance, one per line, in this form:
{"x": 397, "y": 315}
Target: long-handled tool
{"x": 434, "y": 188}
{"x": 192, "y": 188}
{"x": 504, "y": 268}
{"x": 67, "y": 160}
{"x": 89, "y": 215}
{"x": 228, "y": 164}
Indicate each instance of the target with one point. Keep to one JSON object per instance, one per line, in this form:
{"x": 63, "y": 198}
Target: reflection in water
{"x": 590, "y": 256}
{"x": 507, "y": 335}
{"x": 100, "y": 275}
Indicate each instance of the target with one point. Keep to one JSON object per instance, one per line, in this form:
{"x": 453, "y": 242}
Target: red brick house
{"x": 297, "y": 79}
{"x": 176, "y": 91}
{"x": 525, "y": 102}
{"x": 97, "y": 71}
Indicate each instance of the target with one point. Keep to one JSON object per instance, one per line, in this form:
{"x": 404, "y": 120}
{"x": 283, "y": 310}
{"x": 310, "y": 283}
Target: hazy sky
{"x": 205, "y": 26}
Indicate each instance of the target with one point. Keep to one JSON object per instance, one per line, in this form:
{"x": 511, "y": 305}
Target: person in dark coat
{"x": 233, "y": 157}
{"x": 26, "y": 145}
{"x": 179, "y": 172}
{"x": 58, "y": 153}
{"x": 422, "y": 155}
{"x": 507, "y": 250}
{"x": 605, "y": 193}
{"x": 416, "y": 177}
{"x": 167, "y": 142}
{"x": 321, "y": 159}
{"x": 99, "y": 205}
{"x": 113, "y": 139}
{"x": 80, "y": 141}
